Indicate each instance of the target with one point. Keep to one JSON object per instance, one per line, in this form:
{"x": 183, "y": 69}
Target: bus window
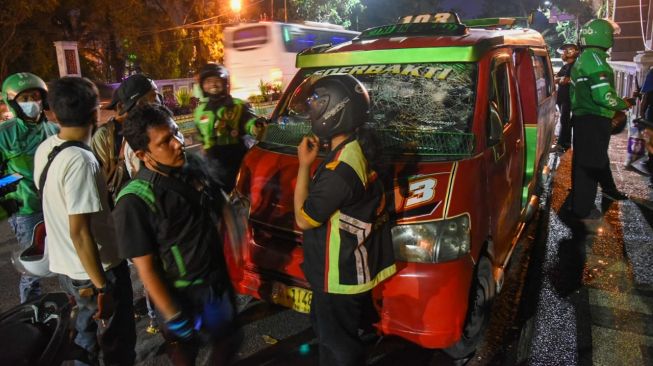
{"x": 250, "y": 37}
{"x": 296, "y": 38}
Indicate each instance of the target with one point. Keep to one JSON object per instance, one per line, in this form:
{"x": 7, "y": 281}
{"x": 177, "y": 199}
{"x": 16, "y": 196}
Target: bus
{"x": 266, "y": 51}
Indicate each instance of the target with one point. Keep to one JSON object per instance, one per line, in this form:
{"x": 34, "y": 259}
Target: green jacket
{"x": 18, "y": 143}
{"x": 226, "y": 124}
{"x": 592, "y": 85}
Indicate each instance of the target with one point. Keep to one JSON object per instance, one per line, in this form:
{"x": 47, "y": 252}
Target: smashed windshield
{"x": 424, "y": 109}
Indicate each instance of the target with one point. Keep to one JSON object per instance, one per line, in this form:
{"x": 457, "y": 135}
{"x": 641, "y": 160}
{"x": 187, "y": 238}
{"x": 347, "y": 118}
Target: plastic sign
{"x": 415, "y": 29}
{"x": 430, "y": 18}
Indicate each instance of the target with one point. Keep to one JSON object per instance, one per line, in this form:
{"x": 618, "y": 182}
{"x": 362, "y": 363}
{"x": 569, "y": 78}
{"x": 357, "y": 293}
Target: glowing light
{"x": 304, "y": 349}
{"x": 276, "y": 74}
{"x": 236, "y": 6}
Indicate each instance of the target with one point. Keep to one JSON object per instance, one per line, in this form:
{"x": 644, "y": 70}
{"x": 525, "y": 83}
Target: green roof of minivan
{"x": 468, "y": 47}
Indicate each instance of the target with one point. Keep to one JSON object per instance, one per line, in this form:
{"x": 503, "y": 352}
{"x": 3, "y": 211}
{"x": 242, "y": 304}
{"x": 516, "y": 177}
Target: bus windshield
{"x": 425, "y": 109}
{"x": 297, "y": 38}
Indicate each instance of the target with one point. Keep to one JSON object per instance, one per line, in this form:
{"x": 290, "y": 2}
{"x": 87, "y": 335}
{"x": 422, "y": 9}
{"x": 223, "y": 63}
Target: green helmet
{"x": 598, "y": 33}
{"x": 18, "y": 83}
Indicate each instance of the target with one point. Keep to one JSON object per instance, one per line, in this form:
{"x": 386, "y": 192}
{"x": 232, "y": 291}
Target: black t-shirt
{"x": 563, "y": 90}
{"x": 180, "y": 233}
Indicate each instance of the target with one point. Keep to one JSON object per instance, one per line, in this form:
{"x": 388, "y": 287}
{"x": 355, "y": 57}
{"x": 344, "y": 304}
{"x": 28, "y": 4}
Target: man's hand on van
{"x": 630, "y": 101}
{"x": 259, "y": 127}
{"x": 307, "y": 150}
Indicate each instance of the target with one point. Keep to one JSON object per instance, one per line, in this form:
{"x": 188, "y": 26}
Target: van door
{"x": 504, "y": 155}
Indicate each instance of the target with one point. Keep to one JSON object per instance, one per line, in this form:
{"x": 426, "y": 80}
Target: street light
{"x": 236, "y": 6}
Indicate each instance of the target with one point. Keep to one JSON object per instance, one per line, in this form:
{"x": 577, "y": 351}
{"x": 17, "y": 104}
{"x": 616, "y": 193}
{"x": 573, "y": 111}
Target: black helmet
{"x": 220, "y": 71}
{"x": 334, "y": 104}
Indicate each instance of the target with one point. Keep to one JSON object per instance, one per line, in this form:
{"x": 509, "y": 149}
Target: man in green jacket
{"x": 224, "y": 123}
{"x": 25, "y": 94}
{"x": 594, "y": 102}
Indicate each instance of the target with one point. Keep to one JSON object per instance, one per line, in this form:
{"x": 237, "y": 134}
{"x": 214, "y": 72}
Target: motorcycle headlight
{"x": 432, "y": 242}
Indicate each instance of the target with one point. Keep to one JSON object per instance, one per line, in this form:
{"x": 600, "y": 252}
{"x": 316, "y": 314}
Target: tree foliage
{"x": 13, "y": 43}
{"x": 331, "y": 11}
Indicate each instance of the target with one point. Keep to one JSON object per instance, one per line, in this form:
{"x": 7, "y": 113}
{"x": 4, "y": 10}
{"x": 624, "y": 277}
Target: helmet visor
{"x": 304, "y": 99}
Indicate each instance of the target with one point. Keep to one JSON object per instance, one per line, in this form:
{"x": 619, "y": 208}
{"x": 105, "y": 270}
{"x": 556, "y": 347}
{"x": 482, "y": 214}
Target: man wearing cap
{"x": 118, "y": 160}
{"x": 563, "y": 80}
{"x": 223, "y": 122}
{"x": 26, "y": 96}
{"x": 108, "y": 142}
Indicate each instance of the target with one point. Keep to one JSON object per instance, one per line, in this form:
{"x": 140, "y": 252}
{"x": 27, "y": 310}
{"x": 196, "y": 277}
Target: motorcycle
{"x": 37, "y": 332}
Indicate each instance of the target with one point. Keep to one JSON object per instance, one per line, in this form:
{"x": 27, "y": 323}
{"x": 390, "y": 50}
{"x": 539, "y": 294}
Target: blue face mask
{"x": 31, "y": 109}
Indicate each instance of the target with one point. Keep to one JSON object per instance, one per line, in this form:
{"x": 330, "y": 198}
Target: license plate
{"x": 296, "y": 298}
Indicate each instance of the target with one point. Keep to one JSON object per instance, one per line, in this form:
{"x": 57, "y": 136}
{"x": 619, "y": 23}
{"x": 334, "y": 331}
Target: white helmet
{"x": 34, "y": 259}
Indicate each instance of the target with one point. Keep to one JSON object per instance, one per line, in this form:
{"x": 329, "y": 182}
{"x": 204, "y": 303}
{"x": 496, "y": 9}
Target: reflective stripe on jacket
{"x": 225, "y": 125}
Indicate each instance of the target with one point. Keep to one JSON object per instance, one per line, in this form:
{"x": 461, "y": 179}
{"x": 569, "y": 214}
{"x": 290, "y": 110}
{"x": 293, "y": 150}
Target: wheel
{"x": 481, "y": 296}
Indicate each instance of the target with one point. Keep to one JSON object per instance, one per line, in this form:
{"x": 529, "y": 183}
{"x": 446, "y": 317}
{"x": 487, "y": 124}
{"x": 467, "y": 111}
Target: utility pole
{"x": 285, "y": 12}
{"x": 272, "y": 9}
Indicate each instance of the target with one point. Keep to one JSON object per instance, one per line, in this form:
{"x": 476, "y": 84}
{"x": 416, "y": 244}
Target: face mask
{"x": 31, "y": 109}
{"x": 166, "y": 169}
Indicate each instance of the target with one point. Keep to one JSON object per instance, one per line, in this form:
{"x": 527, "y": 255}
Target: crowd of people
{"x": 128, "y": 192}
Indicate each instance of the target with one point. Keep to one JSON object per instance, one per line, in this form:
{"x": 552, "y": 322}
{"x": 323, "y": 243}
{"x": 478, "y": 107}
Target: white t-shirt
{"x": 75, "y": 185}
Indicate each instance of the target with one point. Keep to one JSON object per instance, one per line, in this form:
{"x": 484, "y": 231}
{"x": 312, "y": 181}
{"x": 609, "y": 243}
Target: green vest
{"x": 172, "y": 258}
{"x": 592, "y": 85}
{"x": 224, "y": 126}
{"x": 18, "y": 143}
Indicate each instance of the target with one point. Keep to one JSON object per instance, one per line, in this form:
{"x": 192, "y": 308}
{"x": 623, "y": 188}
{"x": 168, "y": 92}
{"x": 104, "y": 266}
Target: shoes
{"x": 559, "y": 149}
{"x": 615, "y": 195}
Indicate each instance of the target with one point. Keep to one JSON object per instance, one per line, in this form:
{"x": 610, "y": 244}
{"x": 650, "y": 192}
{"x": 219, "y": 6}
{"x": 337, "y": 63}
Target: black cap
{"x": 567, "y": 45}
{"x": 130, "y": 91}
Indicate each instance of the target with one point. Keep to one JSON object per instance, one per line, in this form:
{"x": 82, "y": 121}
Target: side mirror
{"x": 495, "y": 127}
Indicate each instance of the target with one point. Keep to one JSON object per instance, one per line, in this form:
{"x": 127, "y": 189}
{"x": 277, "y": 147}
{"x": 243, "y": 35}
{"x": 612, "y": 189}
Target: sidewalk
{"x": 595, "y": 304}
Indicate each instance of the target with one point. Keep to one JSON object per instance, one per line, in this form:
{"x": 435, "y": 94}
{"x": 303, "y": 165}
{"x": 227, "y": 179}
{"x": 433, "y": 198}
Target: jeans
{"x": 29, "y": 287}
{"x": 115, "y": 337}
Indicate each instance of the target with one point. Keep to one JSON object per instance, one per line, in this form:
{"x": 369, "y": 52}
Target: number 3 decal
{"x": 421, "y": 191}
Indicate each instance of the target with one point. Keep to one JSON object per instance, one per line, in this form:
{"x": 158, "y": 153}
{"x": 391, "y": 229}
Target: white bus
{"x": 266, "y": 51}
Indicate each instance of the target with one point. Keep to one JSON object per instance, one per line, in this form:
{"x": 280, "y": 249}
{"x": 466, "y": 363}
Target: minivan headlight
{"x": 432, "y": 242}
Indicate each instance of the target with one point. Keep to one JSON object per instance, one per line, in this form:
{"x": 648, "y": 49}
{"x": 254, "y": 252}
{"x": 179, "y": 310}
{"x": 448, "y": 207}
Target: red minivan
{"x": 465, "y": 116}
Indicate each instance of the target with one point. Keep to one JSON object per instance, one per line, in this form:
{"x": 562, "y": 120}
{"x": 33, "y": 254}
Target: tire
{"x": 481, "y": 296}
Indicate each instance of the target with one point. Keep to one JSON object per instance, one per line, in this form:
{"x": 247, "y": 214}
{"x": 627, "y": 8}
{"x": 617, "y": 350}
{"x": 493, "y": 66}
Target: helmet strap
{"x": 325, "y": 143}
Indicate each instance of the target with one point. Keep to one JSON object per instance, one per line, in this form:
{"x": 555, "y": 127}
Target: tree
{"x": 331, "y": 11}
{"x": 13, "y": 17}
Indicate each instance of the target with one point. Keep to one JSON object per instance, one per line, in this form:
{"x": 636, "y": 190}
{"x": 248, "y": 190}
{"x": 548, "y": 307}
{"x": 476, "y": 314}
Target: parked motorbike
{"x": 38, "y": 332}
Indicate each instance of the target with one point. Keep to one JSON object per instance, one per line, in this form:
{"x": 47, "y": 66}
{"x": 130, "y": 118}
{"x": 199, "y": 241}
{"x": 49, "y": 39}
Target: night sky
{"x": 471, "y": 8}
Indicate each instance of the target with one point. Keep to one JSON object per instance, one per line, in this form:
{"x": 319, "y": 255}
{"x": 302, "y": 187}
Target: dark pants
{"x": 211, "y": 308}
{"x": 224, "y": 163}
{"x": 336, "y": 320}
{"x": 590, "y": 165}
{"x": 115, "y": 337}
{"x": 564, "y": 137}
